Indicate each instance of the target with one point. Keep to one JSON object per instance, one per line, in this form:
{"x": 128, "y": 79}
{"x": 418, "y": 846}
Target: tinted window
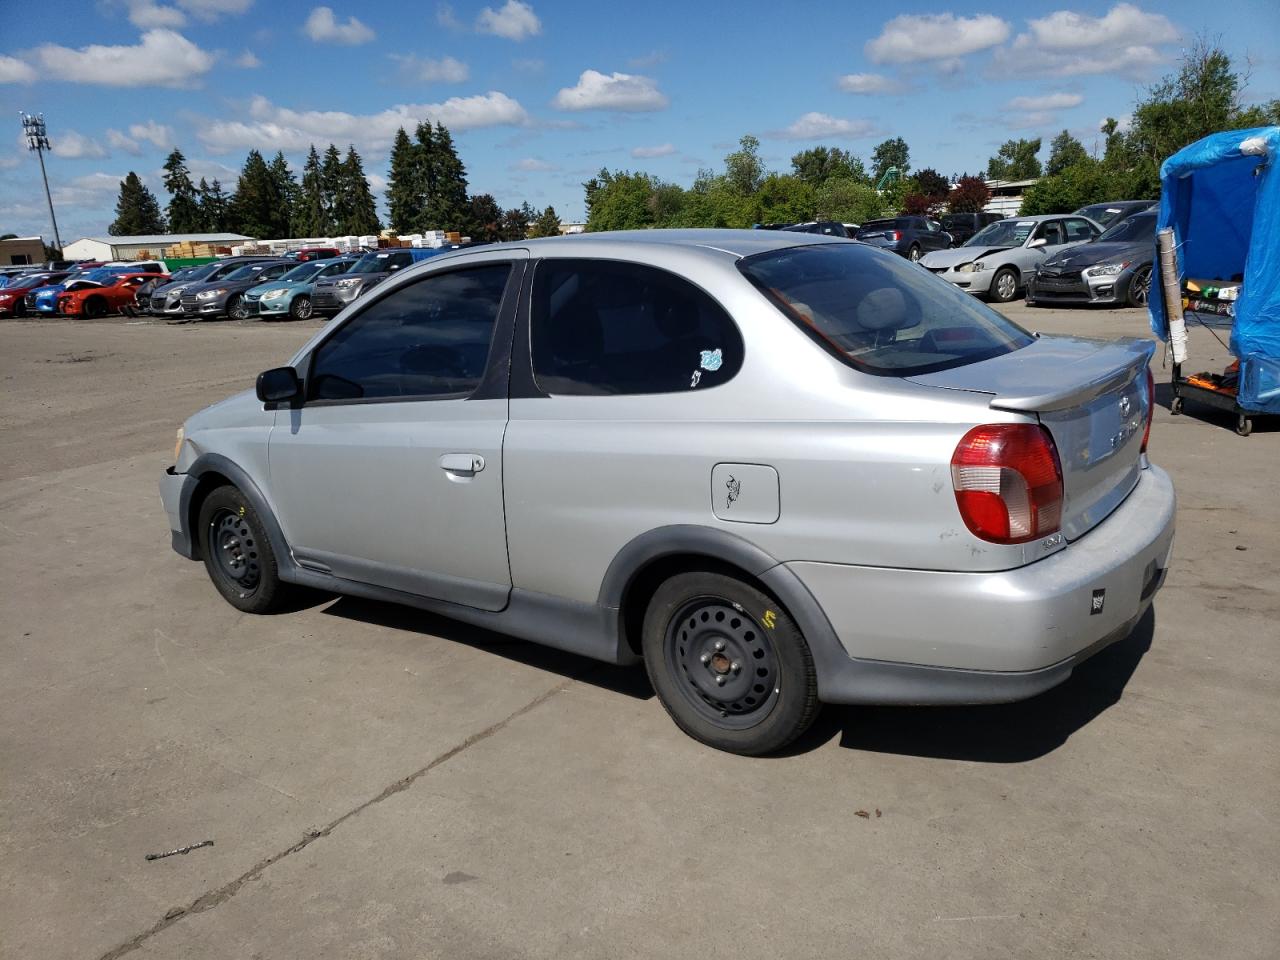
{"x": 602, "y": 327}
{"x": 1137, "y": 229}
{"x": 277, "y": 270}
{"x": 878, "y": 312}
{"x": 430, "y": 338}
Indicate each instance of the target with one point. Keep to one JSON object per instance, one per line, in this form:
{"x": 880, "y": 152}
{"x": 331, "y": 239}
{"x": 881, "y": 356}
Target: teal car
{"x": 290, "y": 295}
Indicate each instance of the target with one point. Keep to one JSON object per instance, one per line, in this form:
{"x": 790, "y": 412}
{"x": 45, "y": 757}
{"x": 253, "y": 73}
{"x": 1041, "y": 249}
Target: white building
{"x": 150, "y": 247}
{"x": 1006, "y": 196}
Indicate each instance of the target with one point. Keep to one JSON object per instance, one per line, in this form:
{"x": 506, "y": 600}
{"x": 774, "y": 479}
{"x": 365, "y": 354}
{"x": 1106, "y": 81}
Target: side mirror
{"x": 1037, "y": 242}
{"x": 279, "y": 385}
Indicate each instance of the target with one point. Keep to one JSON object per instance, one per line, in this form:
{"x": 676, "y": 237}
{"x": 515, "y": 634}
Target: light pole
{"x": 38, "y": 140}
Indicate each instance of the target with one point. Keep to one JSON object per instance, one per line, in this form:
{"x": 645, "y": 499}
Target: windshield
{"x": 27, "y": 283}
{"x": 1137, "y": 229}
{"x": 304, "y": 271}
{"x": 101, "y": 275}
{"x": 878, "y": 312}
{"x": 1002, "y": 233}
{"x": 376, "y": 262}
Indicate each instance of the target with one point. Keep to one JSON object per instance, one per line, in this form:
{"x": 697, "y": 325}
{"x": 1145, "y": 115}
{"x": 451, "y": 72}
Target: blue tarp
{"x": 1224, "y": 207}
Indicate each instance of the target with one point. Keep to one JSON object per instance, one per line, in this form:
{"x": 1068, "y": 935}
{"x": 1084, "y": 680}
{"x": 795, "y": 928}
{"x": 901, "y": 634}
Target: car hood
{"x": 239, "y": 410}
{"x": 1088, "y": 254}
{"x": 266, "y": 285}
{"x": 958, "y": 255}
{"x": 368, "y": 278}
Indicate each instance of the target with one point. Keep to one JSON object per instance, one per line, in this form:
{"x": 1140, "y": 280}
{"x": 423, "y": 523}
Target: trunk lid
{"x": 1090, "y": 395}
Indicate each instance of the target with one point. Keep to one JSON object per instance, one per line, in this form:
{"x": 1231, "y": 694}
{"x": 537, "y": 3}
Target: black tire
{"x": 238, "y": 555}
{"x": 300, "y": 307}
{"x": 95, "y": 307}
{"x": 237, "y": 308}
{"x": 730, "y": 667}
{"x": 914, "y": 253}
{"x": 1139, "y": 287}
{"x": 1006, "y": 291}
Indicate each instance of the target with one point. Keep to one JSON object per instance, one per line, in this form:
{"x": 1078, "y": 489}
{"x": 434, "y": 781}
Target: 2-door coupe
{"x": 1116, "y": 268}
{"x": 779, "y": 468}
{"x": 225, "y": 296}
{"x": 44, "y": 300}
{"x": 290, "y": 295}
{"x": 100, "y": 299}
{"x": 999, "y": 259}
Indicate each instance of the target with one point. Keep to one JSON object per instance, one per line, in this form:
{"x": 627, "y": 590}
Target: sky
{"x": 540, "y": 95}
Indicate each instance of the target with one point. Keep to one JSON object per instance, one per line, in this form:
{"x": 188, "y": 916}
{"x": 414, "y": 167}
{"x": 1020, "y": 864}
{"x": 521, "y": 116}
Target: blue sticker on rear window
{"x": 712, "y": 360}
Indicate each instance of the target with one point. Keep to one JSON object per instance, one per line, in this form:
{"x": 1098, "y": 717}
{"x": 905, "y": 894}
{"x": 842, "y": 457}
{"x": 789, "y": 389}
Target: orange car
{"x": 100, "y": 300}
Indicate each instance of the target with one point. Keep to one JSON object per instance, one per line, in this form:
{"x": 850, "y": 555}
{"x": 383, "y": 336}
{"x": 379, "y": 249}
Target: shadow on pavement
{"x": 630, "y": 681}
{"x": 999, "y": 733}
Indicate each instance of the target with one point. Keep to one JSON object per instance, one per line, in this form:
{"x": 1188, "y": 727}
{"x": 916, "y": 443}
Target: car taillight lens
{"x": 1008, "y": 482}
{"x": 1151, "y": 408}
{"x": 895, "y": 236}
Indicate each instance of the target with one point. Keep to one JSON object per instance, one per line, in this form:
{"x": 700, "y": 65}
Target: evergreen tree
{"x": 310, "y": 215}
{"x": 215, "y": 207}
{"x": 337, "y": 205}
{"x": 255, "y": 207}
{"x": 361, "y": 210}
{"x": 404, "y": 201}
{"x": 137, "y": 210}
{"x": 447, "y": 203}
{"x": 286, "y": 188}
{"x": 546, "y": 225}
{"x": 184, "y": 212}
{"x": 424, "y": 176}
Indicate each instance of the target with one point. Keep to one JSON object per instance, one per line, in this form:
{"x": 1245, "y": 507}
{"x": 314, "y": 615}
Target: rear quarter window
{"x": 878, "y": 312}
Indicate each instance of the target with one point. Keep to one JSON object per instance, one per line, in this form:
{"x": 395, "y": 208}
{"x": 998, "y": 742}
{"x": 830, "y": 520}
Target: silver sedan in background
{"x": 999, "y": 259}
{"x": 779, "y": 468}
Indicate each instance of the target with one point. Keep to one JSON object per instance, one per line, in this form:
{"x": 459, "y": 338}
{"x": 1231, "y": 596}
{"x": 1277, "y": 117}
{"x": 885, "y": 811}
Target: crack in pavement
{"x": 215, "y": 898}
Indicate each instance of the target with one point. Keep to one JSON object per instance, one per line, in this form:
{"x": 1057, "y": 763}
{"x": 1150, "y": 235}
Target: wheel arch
{"x": 638, "y": 569}
{"x": 212, "y": 470}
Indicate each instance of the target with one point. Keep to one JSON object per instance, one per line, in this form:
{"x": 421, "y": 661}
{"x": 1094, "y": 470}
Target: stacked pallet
{"x": 189, "y": 250}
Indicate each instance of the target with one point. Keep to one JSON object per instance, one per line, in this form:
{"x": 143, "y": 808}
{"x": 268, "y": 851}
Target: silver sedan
{"x": 779, "y": 468}
{"x": 998, "y": 260}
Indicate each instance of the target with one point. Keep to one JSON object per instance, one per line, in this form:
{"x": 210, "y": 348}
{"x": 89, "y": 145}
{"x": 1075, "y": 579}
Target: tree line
{"x": 426, "y": 190}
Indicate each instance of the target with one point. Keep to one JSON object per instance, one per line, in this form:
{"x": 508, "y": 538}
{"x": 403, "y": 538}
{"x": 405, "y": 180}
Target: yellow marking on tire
{"x": 770, "y": 619}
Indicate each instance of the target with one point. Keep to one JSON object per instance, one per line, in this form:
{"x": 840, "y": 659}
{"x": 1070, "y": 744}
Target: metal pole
{"x": 57, "y": 240}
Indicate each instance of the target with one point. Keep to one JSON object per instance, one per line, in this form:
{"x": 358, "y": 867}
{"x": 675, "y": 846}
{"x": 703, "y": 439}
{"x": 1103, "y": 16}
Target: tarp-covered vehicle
{"x": 1221, "y": 198}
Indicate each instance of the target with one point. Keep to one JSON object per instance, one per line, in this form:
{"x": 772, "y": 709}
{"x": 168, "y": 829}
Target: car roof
{"x": 733, "y": 243}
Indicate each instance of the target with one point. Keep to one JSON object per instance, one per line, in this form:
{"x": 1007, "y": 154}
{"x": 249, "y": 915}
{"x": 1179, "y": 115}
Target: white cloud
{"x": 164, "y": 58}
{"x": 616, "y": 91}
{"x": 446, "y": 18}
{"x": 1119, "y": 27}
{"x": 935, "y": 36}
{"x": 529, "y": 65}
{"x": 819, "y": 126}
{"x": 1051, "y": 101}
{"x": 118, "y": 141}
{"x": 158, "y": 134}
{"x": 13, "y": 70}
{"x": 514, "y": 20}
{"x": 248, "y": 60}
{"x": 661, "y": 150}
{"x": 286, "y": 129}
{"x": 323, "y": 27}
{"x": 1123, "y": 122}
{"x": 377, "y": 182}
{"x": 210, "y": 10}
{"x": 148, "y": 14}
{"x": 428, "y": 70}
{"x": 867, "y": 83}
{"x": 533, "y": 165}
{"x": 71, "y": 145}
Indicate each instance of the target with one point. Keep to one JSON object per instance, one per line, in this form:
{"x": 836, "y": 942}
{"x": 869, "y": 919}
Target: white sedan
{"x": 998, "y": 260}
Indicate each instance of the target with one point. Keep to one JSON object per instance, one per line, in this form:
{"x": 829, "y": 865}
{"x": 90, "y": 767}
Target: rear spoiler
{"x": 1106, "y": 370}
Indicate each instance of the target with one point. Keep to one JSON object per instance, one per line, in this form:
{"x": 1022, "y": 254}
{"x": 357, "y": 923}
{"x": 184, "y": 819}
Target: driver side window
{"x": 1052, "y": 233}
{"x": 427, "y": 339}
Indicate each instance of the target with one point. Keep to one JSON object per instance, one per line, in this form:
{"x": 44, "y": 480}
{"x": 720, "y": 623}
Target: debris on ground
{"x": 183, "y": 850}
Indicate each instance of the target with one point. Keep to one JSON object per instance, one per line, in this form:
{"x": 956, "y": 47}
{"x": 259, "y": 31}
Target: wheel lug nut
{"x": 735, "y": 667}
{"x": 705, "y": 658}
{"x": 720, "y": 681}
{"x": 719, "y": 645}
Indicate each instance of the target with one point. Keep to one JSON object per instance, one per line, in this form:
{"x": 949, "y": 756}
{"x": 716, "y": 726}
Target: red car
{"x": 11, "y": 296}
{"x": 99, "y": 300}
{"x": 317, "y": 253}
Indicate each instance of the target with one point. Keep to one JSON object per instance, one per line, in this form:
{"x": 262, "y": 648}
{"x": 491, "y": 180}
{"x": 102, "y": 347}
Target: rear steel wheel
{"x": 726, "y": 660}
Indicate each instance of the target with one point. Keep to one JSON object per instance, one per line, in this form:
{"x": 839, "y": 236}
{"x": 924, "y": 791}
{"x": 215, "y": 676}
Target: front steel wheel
{"x": 729, "y": 665}
{"x": 237, "y": 553}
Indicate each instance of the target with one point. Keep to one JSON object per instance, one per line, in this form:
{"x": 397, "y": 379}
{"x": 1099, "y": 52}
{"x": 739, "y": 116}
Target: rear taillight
{"x": 894, "y": 235}
{"x": 1008, "y": 482}
{"x": 1151, "y": 408}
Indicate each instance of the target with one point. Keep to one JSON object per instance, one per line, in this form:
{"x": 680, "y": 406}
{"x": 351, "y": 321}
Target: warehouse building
{"x": 21, "y": 250}
{"x": 147, "y": 247}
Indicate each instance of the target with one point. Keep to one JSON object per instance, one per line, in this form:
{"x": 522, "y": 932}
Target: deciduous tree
{"x": 1015, "y": 160}
{"x": 1064, "y": 150}
{"x": 890, "y": 153}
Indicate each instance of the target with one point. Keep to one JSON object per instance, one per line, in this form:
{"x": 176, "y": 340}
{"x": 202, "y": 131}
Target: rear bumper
{"x": 920, "y": 636}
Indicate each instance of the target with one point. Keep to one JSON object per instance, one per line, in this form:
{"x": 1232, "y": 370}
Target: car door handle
{"x": 465, "y": 464}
